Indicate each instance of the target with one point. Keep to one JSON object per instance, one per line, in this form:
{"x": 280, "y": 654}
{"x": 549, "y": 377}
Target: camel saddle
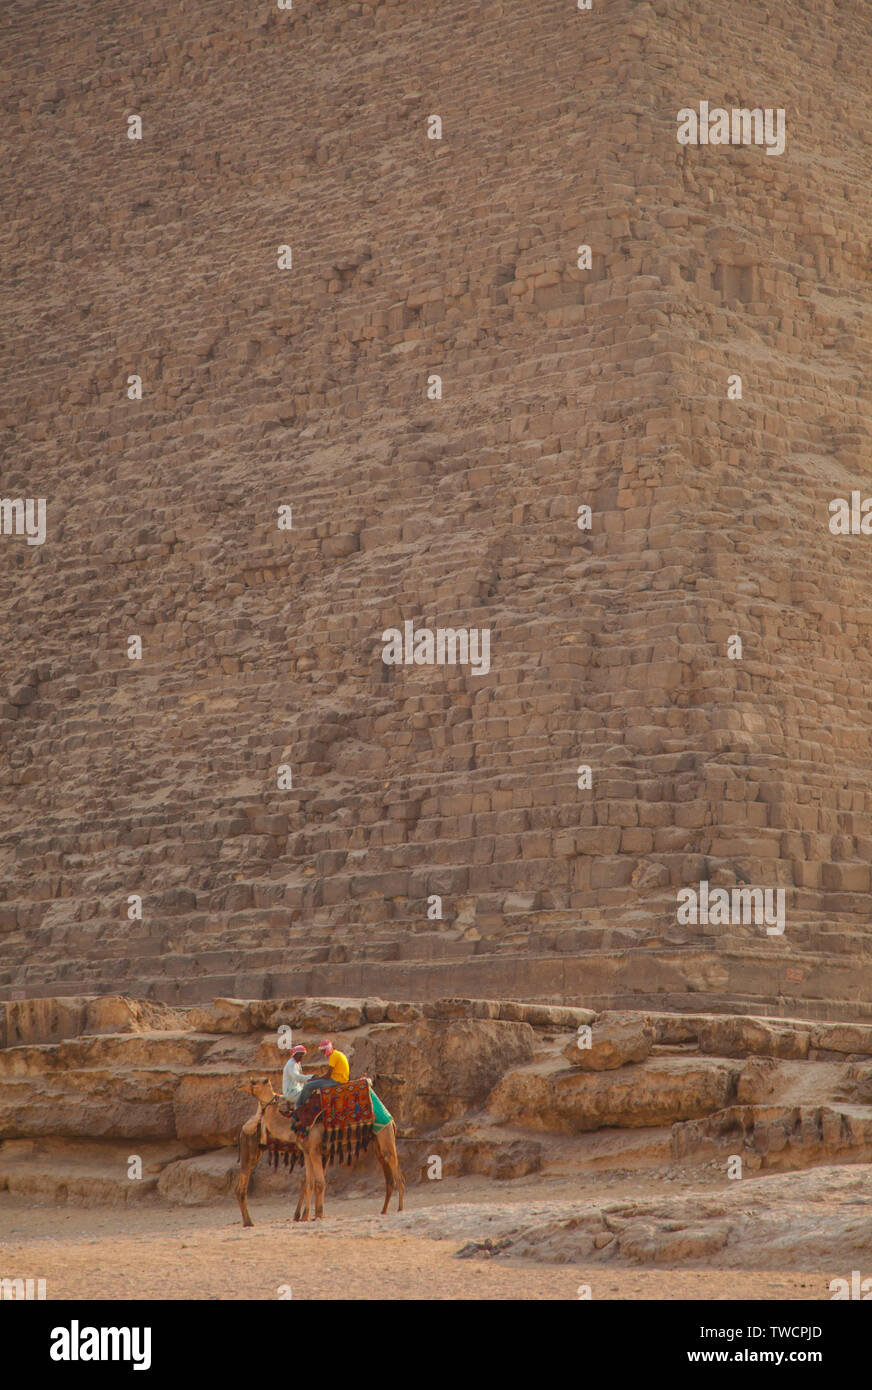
{"x": 303, "y": 1116}
{"x": 348, "y": 1119}
{"x": 346, "y": 1113}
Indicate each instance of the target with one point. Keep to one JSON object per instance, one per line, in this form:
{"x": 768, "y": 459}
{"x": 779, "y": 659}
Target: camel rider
{"x": 339, "y": 1071}
{"x": 293, "y": 1076}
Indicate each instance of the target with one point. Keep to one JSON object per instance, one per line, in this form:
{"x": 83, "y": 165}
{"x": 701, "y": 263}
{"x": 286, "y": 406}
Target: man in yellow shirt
{"x": 339, "y": 1071}
{"x": 336, "y": 1061}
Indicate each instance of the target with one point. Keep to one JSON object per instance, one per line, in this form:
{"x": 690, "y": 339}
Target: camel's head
{"x": 261, "y": 1088}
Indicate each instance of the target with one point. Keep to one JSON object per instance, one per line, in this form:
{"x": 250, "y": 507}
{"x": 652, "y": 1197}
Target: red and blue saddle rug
{"x": 347, "y": 1116}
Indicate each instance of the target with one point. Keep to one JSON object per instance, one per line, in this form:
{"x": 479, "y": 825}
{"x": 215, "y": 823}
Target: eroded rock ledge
{"x": 496, "y": 1088}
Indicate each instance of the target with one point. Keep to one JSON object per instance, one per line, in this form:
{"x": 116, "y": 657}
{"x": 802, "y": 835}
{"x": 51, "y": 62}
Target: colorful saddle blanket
{"x": 347, "y": 1117}
{"x": 351, "y": 1116}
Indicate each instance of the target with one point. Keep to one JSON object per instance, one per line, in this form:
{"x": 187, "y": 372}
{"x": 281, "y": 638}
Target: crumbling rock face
{"x": 472, "y": 1151}
{"x": 481, "y": 1092}
{"x": 857, "y": 1083}
{"x": 48, "y": 1020}
{"x": 777, "y": 1136}
{"x": 547, "y": 1096}
{"x": 434, "y": 1073}
{"x": 731, "y": 1037}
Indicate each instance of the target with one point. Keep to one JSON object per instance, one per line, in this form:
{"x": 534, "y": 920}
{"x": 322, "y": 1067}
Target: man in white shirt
{"x": 293, "y": 1076}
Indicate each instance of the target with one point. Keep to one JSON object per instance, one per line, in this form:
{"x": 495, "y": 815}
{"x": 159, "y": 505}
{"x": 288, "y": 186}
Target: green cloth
{"x": 381, "y": 1116}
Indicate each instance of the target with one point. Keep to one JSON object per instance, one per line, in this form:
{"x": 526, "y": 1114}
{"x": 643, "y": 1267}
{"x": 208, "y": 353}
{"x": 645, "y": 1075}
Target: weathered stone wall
{"x": 308, "y": 388}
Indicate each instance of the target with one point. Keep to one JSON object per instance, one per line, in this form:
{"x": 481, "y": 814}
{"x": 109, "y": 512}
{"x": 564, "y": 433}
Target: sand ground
{"x": 156, "y": 1251}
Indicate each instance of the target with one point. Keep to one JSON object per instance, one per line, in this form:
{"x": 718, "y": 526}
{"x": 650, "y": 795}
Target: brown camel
{"x": 273, "y": 1124}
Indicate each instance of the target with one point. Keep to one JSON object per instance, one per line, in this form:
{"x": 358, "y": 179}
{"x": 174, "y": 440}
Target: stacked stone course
{"x": 307, "y": 388}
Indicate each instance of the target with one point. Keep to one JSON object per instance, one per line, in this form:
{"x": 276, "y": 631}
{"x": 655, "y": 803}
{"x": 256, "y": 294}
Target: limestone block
{"x": 616, "y": 1040}
{"x": 548, "y": 1096}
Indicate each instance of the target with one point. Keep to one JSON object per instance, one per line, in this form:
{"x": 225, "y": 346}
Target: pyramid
{"x": 303, "y": 367}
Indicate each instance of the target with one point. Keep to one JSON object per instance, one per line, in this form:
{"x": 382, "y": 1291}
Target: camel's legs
{"x": 249, "y": 1157}
{"x": 302, "y": 1197}
{"x": 386, "y": 1151}
{"x": 401, "y": 1183}
{"x": 388, "y": 1177}
{"x": 319, "y": 1182}
{"x": 302, "y": 1212}
{"x": 394, "y": 1181}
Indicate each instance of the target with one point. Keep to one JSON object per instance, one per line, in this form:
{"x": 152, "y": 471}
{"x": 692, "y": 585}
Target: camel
{"x": 269, "y": 1122}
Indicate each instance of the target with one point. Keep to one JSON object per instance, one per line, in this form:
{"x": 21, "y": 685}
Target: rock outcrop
{"x": 483, "y": 1093}
{"x": 782, "y": 1231}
